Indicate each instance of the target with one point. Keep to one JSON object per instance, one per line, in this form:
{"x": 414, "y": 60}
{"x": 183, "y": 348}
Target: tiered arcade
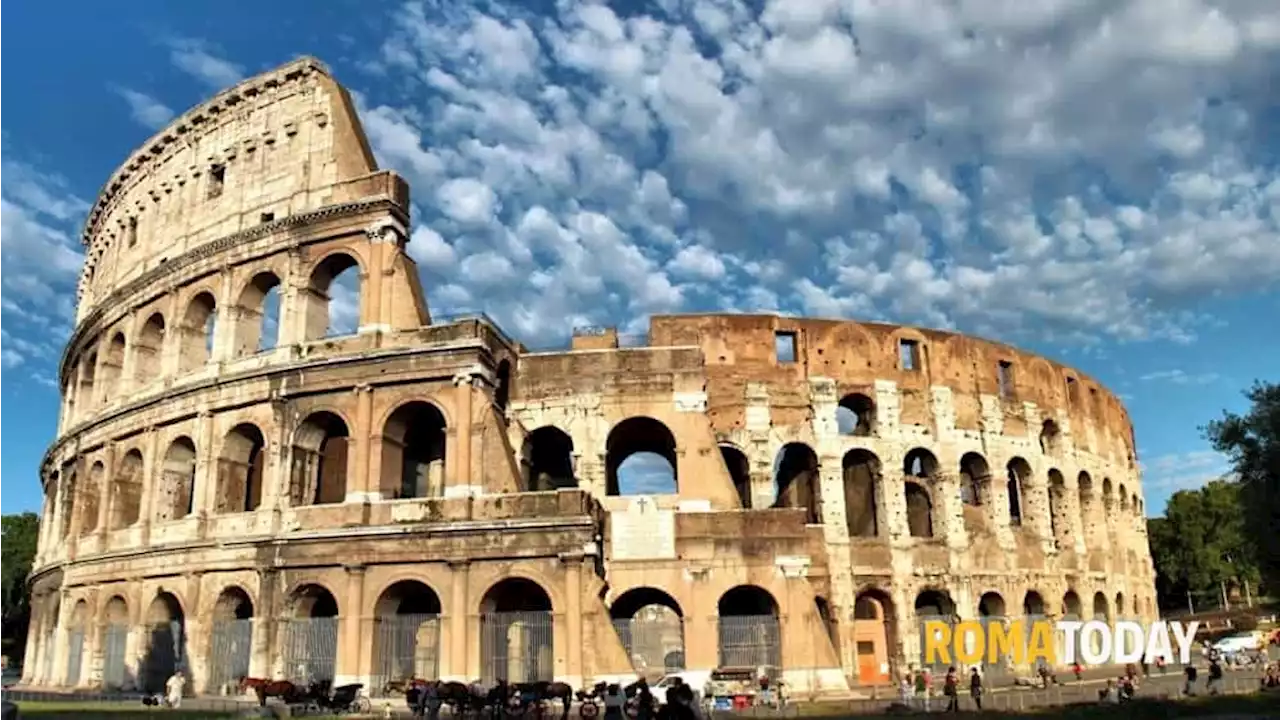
{"x": 242, "y": 487}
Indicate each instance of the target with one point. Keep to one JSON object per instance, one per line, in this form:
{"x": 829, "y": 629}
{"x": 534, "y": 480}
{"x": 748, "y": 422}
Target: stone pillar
{"x": 293, "y": 290}
{"x": 363, "y": 485}
{"x": 35, "y": 639}
{"x": 77, "y": 510}
{"x": 573, "y": 611}
{"x": 105, "y": 494}
{"x": 261, "y": 655}
{"x": 456, "y": 665}
{"x": 206, "y": 485}
{"x": 151, "y": 468}
{"x": 459, "y": 480}
{"x": 348, "y": 668}
{"x": 702, "y": 627}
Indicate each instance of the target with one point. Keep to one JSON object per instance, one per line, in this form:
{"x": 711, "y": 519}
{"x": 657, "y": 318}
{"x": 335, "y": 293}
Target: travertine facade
{"x": 420, "y": 498}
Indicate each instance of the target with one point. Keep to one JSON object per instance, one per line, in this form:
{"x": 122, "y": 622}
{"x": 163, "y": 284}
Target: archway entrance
{"x": 516, "y": 633}
{"x": 76, "y": 642}
{"x": 650, "y": 624}
{"x": 873, "y": 636}
{"x": 115, "y": 638}
{"x": 165, "y": 642}
{"x": 934, "y": 606}
{"x": 406, "y": 641}
{"x": 750, "y": 633}
{"x": 311, "y": 636}
{"x": 231, "y": 640}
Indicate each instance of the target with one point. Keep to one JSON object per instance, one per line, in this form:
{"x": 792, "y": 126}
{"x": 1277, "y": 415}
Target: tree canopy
{"x": 1252, "y": 442}
{"x": 18, "y": 548}
{"x": 1202, "y": 542}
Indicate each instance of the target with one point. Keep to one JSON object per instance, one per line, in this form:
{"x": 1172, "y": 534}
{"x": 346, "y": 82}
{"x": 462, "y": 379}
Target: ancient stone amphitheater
{"x": 236, "y": 489}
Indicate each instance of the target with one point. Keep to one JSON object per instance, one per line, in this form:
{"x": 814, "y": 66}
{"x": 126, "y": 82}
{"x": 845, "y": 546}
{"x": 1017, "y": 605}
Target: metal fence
{"x": 652, "y": 644}
{"x": 516, "y": 646}
{"x": 164, "y": 654}
{"x": 405, "y": 646}
{"x": 115, "y": 643}
{"x": 229, "y": 652}
{"x": 310, "y": 649}
{"x": 750, "y": 641}
{"x": 75, "y": 656}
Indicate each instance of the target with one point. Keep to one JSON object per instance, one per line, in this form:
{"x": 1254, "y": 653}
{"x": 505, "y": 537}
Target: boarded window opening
{"x": 1004, "y": 374}
{"x": 908, "y": 355}
{"x": 217, "y": 179}
{"x": 784, "y": 344}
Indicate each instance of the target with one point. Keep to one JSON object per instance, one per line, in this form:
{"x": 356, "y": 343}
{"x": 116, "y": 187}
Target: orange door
{"x": 869, "y": 665}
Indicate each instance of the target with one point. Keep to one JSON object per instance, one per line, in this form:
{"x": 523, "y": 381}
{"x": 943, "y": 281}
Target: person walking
{"x": 922, "y": 689}
{"x": 951, "y": 688}
{"x": 173, "y": 689}
{"x": 975, "y": 687}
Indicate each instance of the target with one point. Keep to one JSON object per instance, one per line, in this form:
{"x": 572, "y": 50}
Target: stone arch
{"x": 1119, "y": 606}
{"x": 113, "y": 366}
{"x": 750, "y": 632}
{"x": 1059, "y": 516}
{"x": 321, "y": 448}
{"x": 1136, "y": 504}
{"x": 88, "y": 375}
{"x": 406, "y": 640}
{"x": 175, "y": 494}
{"x": 1017, "y": 474}
{"x": 992, "y": 605}
{"x": 258, "y": 311}
{"x": 115, "y": 641}
{"x": 414, "y": 444}
{"x": 77, "y": 631}
{"x": 516, "y": 631}
{"x": 975, "y": 479}
{"x": 1107, "y": 497}
{"x": 862, "y": 479}
{"x": 311, "y": 634}
{"x": 68, "y": 487}
{"x": 1071, "y": 605}
{"x": 874, "y": 635}
{"x": 735, "y": 461}
{"x": 126, "y": 491}
{"x": 1101, "y": 608}
{"x": 856, "y": 415}
{"x": 197, "y": 332}
{"x": 650, "y": 625}
{"x": 640, "y": 458}
{"x": 241, "y": 472}
{"x": 1124, "y": 498}
{"x": 546, "y": 460}
{"x": 920, "y": 468}
{"x": 88, "y": 498}
{"x": 165, "y": 641}
{"x": 230, "y": 639}
{"x": 1050, "y": 437}
{"x": 796, "y": 480}
{"x": 1033, "y": 604}
{"x": 935, "y": 604}
{"x": 330, "y": 304}
{"x": 148, "y": 350}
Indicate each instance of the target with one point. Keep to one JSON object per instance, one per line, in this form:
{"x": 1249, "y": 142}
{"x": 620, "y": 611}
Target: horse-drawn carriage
{"x": 319, "y": 696}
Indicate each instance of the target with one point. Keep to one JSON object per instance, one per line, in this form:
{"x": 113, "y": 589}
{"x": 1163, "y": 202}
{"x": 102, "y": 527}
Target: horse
{"x": 265, "y": 688}
{"x": 549, "y": 690}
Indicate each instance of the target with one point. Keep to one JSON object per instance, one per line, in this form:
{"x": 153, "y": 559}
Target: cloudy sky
{"x": 1097, "y": 180}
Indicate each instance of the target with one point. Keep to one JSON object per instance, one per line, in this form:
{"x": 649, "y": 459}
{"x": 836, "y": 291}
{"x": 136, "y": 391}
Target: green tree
{"x": 1201, "y": 545}
{"x": 1252, "y": 441}
{"x": 18, "y": 548}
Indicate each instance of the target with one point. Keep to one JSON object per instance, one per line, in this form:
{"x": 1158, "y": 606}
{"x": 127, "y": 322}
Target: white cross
{"x": 643, "y": 502}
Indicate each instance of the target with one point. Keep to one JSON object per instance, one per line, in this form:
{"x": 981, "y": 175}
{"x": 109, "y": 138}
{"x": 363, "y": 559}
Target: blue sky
{"x": 1095, "y": 180}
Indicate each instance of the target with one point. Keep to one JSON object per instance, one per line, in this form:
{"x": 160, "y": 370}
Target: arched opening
{"x": 1059, "y": 515}
{"x": 311, "y": 635}
{"x": 77, "y": 630}
{"x": 1050, "y": 437}
{"x": 115, "y": 640}
{"x": 856, "y": 415}
{"x": 516, "y": 634}
{"x": 1119, "y": 606}
{"x": 873, "y": 636}
{"x": 1101, "y": 609}
{"x": 828, "y": 623}
{"x": 1071, "y": 607}
{"x": 113, "y": 367}
{"x": 88, "y": 499}
{"x": 1033, "y": 605}
{"x": 413, "y": 451}
{"x": 1088, "y": 507}
{"x": 231, "y": 640}
{"x": 862, "y": 479}
{"x": 1107, "y": 497}
{"x": 547, "y": 460}
{"x": 320, "y": 449}
{"x": 88, "y": 373}
{"x": 920, "y": 468}
{"x": 502, "y": 390}
{"x": 126, "y": 491}
{"x": 406, "y": 641}
{"x": 165, "y": 642}
{"x": 199, "y": 327}
{"x": 1136, "y": 505}
{"x": 258, "y": 324}
{"x": 796, "y": 482}
{"x": 975, "y": 477}
{"x": 991, "y": 605}
{"x": 331, "y": 302}
{"x": 1017, "y": 473}
{"x": 67, "y": 489}
{"x": 935, "y": 605}
{"x": 240, "y": 470}
{"x": 640, "y": 459}
{"x": 750, "y": 632}
{"x": 650, "y": 624}
{"x": 175, "y": 496}
{"x": 735, "y": 461}
{"x": 148, "y": 351}
{"x": 1124, "y": 498}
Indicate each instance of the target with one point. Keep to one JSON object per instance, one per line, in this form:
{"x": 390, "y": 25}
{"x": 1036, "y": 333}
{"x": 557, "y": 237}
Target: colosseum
{"x": 239, "y": 489}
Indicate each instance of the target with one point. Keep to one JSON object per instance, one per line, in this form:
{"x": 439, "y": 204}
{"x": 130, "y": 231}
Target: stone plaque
{"x": 642, "y": 531}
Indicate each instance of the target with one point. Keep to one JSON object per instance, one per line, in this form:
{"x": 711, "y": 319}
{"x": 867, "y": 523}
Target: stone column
{"x": 261, "y": 655}
{"x": 458, "y": 472}
{"x": 35, "y": 639}
{"x": 105, "y": 494}
{"x": 363, "y": 485}
{"x": 349, "y": 669}
{"x": 456, "y": 665}
{"x": 572, "y": 612}
{"x": 206, "y": 485}
{"x": 151, "y": 468}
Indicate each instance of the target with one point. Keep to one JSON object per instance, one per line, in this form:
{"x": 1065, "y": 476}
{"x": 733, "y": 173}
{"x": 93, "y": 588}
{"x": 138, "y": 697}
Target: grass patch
{"x": 123, "y": 710}
{"x": 1262, "y": 705}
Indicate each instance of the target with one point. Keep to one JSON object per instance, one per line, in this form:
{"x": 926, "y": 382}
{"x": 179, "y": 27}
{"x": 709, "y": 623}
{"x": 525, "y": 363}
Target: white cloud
{"x": 200, "y": 60}
{"x": 902, "y": 173}
{"x": 144, "y": 109}
{"x": 1179, "y": 377}
{"x": 1167, "y": 474}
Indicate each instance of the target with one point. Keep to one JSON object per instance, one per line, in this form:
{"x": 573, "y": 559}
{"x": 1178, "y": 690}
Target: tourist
{"x": 922, "y": 689}
{"x": 951, "y": 688}
{"x": 975, "y": 687}
{"x": 1190, "y": 673}
{"x": 1078, "y": 670}
{"x": 1108, "y": 694}
{"x": 173, "y": 689}
{"x": 614, "y": 702}
{"x": 904, "y": 687}
{"x": 1214, "y": 684}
